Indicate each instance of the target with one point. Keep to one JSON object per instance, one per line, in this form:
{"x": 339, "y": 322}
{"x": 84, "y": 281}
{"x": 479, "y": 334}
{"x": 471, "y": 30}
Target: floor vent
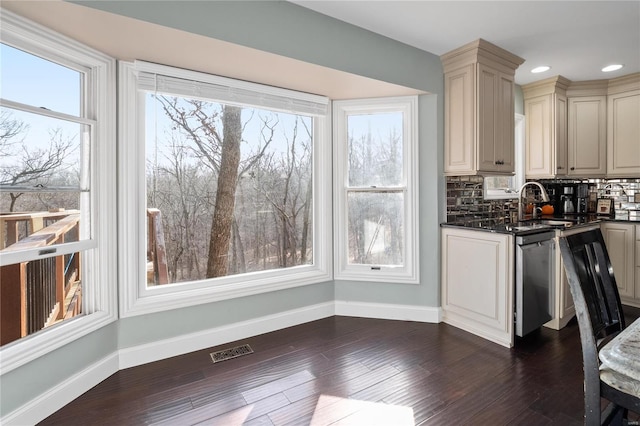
{"x": 231, "y": 353}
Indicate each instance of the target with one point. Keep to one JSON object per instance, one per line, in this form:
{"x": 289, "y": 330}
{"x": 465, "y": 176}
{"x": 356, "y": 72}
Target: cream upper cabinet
{"x": 623, "y": 127}
{"x": 479, "y": 109}
{"x": 587, "y": 118}
{"x": 545, "y": 109}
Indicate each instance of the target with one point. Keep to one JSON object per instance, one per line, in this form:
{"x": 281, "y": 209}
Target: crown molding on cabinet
{"x": 481, "y": 51}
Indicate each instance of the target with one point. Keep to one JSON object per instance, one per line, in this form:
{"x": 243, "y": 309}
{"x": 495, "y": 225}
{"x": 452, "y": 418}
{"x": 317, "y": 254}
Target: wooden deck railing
{"x": 41, "y": 292}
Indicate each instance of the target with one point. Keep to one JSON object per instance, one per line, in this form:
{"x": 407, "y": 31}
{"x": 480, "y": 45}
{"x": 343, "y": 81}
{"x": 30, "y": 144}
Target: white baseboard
{"x": 389, "y": 311}
{"x": 60, "y": 395}
{"x": 142, "y": 354}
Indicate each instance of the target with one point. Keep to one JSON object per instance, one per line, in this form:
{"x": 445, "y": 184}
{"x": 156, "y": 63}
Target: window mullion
{"x": 45, "y": 112}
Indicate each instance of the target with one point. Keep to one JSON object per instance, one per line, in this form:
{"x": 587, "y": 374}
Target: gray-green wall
{"x": 285, "y": 29}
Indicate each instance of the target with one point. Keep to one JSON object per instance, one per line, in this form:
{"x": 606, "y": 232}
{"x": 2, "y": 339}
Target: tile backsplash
{"x": 466, "y": 203}
{"x": 625, "y": 194}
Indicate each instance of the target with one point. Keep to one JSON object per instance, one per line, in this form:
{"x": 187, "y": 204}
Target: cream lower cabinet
{"x": 637, "y": 304}
{"x": 621, "y": 242}
{"x": 564, "y": 308}
{"x": 478, "y": 283}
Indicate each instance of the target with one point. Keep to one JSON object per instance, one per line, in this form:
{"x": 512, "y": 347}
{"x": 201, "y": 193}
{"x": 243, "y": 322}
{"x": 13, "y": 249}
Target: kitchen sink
{"x": 556, "y": 223}
{"x": 527, "y": 226}
{"x": 540, "y": 224}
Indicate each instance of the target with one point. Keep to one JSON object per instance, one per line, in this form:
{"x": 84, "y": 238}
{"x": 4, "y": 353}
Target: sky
{"x": 31, "y": 80}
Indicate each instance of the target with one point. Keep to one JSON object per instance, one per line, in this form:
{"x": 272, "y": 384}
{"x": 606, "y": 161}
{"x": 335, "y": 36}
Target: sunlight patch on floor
{"x": 333, "y": 410}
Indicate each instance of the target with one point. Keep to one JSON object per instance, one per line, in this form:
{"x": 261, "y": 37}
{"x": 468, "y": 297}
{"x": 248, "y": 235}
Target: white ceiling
{"x": 575, "y": 38}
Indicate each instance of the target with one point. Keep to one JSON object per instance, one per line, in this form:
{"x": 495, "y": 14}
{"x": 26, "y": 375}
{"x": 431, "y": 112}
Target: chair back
{"x": 597, "y": 303}
{"x": 592, "y": 283}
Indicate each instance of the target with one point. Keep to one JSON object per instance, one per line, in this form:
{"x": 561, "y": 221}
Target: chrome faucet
{"x": 543, "y": 192}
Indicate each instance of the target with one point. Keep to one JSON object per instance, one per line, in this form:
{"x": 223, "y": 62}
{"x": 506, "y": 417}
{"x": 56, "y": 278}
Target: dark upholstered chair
{"x": 600, "y": 318}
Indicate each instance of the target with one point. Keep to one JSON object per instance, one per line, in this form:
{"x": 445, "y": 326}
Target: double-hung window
{"x": 57, "y": 198}
{"x": 225, "y": 189}
{"x": 375, "y": 189}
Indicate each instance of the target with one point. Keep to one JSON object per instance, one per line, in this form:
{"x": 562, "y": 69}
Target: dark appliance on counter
{"x": 582, "y": 198}
{"x": 535, "y": 281}
{"x": 560, "y": 197}
{"x": 568, "y": 198}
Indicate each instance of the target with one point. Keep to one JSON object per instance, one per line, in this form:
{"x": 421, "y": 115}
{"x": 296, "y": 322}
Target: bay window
{"x": 224, "y": 188}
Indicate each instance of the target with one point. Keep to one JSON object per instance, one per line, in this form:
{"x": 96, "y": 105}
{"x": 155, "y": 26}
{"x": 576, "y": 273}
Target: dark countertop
{"x": 545, "y": 223}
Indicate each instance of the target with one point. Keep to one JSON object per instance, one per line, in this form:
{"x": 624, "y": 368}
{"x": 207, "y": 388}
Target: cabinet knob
{"x": 560, "y": 167}
{"x": 573, "y": 168}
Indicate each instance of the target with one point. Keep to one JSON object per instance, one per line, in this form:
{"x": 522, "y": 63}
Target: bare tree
{"x": 288, "y": 175}
{"x": 217, "y": 264}
{"x": 178, "y": 190}
{"x": 28, "y": 165}
{"x": 217, "y": 136}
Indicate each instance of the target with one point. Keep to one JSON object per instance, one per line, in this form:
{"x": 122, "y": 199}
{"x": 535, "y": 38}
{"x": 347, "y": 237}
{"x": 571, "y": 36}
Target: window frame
{"x": 136, "y": 298}
{"x": 99, "y": 252}
{"x": 409, "y": 272}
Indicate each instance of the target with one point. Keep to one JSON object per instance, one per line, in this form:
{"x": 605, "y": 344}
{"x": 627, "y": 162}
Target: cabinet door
{"x": 623, "y": 134}
{"x": 560, "y": 125}
{"x": 488, "y": 112}
{"x": 637, "y": 288}
{"x": 477, "y": 294}
{"x": 636, "y": 301}
{"x": 459, "y": 152}
{"x": 538, "y": 153}
{"x": 546, "y": 151}
{"x": 567, "y": 307}
{"x": 505, "y": 130}
{"x": 620, "y": 241}
{"x": 495, "y": 124}
{"x": 587, "y": 136}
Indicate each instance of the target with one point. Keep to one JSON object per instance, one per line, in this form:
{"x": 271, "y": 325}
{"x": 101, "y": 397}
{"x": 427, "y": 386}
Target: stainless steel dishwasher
{"x": 535, "y": 281}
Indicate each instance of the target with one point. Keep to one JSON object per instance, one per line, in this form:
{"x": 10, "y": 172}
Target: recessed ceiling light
{"x": 614, "y": 67}
{"x": 540, "y": 69}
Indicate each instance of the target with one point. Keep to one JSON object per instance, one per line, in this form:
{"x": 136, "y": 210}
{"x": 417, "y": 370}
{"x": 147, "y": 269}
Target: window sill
{"x": 152, "y": 300}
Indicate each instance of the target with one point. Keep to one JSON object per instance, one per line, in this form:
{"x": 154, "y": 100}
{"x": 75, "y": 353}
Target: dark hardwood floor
{"x": 351, "y": 371}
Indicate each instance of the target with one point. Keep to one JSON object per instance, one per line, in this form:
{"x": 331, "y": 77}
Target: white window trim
{"x": 138, "y": 299}
{"x": 99, "y": 284}
{"x": 409, "y": 273}
{"x": 518, "y": 177}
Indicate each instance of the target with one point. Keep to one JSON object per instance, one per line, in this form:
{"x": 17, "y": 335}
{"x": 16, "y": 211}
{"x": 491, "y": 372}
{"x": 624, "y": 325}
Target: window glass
{"x": 375, "y": 149}
{"x": 43, "y": 180}
{"x": 229, "y": 189}
{"x": 376, "y": 228}
{"x": 35, "y": 81}
{"x": 40, "y": 152}
{"x": 375, "y": 160}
